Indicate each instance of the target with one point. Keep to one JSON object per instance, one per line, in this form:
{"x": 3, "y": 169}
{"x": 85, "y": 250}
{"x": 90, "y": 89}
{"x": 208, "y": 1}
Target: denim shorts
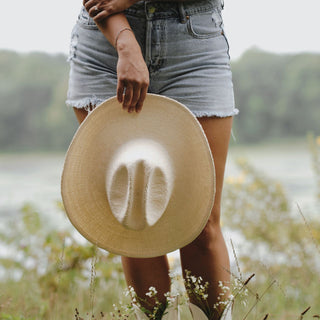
{"x": 185, "y": 49}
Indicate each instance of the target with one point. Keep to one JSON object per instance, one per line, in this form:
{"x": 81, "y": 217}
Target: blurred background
{"x": 272, "y": 192}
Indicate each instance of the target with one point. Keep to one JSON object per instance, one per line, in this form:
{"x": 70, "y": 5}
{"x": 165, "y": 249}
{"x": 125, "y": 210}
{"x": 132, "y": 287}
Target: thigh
{"x": 93, "y": 62}
{"x": 218, "y": 132}
{"x": 80, "y": 113}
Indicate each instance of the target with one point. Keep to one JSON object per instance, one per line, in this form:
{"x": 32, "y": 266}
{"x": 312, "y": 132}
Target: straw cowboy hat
{"x": 139, "y": 185}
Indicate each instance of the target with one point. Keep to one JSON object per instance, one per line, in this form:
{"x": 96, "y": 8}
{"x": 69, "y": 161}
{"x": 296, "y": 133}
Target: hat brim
{"x": 83, "y": 189}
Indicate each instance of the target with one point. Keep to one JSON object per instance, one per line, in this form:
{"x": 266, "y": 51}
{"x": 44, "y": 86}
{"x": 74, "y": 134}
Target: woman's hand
{"x": 133, "y": 74}
{"x": 101, "y": 9}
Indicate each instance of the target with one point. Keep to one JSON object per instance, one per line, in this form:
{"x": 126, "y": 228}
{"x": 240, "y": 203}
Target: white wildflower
{"x": 153, "y": 291}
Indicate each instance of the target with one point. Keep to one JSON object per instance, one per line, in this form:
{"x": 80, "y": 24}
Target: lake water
{"x": 35, "y": 178}
{"x": 291, "y": 165}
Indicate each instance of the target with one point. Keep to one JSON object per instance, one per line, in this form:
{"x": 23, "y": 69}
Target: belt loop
{"x": 182, "y": 13}
{"x": 145, "y": 9}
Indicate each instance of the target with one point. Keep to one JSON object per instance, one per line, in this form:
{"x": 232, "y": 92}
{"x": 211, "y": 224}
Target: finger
{"x": 120, "y": 91}
{"x": 128, "y": 97}
{"x": 102, "y": 15}
{"x": 142, "y": 97}
{"x": 135, "y": 96}
{"x": 94, "y": 11}
{"x": 88, "y": 4}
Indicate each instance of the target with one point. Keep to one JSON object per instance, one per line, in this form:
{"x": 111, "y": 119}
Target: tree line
{"x": 278, "y": 97}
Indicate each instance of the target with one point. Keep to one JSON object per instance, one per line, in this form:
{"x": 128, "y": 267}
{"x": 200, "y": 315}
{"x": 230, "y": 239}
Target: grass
{"x": 47, "y": 274}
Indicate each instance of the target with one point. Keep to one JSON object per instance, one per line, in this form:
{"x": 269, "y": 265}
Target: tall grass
{"x": 50, "y": 274}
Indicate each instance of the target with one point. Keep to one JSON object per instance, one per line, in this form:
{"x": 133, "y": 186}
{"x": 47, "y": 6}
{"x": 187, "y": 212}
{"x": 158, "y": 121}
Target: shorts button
{"x": 152, "y": 10}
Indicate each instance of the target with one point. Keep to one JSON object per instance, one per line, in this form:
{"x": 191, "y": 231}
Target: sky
{"x": 280, "y": 26}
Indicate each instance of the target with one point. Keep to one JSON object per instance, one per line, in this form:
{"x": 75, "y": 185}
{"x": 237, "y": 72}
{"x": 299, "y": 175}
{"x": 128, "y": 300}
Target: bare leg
{"x": 80, "y": 114}
{"x": 142, "y": 274}
{"x": 207, "y": 255}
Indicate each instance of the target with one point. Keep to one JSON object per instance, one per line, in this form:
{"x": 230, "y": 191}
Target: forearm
{"x": 111, "y": 26}
{"x": 132, "y": 72}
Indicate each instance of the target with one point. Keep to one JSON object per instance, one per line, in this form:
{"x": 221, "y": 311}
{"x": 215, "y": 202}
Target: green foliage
{"x": 48, "y": 272}
{"x": 278, "y": 95}
{"x": 32, "y": 94}
{"x": 278, "y": 246}
{"x": 5, "y": 316}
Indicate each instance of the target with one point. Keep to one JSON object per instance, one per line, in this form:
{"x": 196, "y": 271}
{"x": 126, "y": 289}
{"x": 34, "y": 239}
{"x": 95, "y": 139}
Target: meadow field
{"x": 48, "y": 271}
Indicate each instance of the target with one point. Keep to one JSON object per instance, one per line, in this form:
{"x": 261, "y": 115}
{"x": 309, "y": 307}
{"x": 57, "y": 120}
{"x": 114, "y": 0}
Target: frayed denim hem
{"x": 207, "y": 114}
{"x": 86, "y": 103}
{"x": 89, "y": 104}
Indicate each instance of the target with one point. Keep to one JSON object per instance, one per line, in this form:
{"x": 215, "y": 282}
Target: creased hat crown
{"x": 139, "y": 183}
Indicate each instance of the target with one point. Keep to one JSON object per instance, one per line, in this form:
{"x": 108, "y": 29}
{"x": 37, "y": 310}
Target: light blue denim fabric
{"x": 184, "y": 47}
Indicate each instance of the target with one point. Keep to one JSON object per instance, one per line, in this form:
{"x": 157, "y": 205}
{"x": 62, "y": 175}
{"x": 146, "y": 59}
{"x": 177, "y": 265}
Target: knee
{"x": 209, "y": 236}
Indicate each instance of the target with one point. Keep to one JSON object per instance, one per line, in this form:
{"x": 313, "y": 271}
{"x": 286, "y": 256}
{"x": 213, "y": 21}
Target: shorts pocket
{"x": 85, "y": 21}
{"x": 206, "y": 25}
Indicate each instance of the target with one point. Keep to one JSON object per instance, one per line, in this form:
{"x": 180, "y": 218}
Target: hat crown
{"x": 139, "y": 183}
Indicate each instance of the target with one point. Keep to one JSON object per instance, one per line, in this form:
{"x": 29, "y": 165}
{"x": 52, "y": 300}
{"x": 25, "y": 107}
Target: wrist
{"x": 126, "y": 41}
{"x": 125, "y": 29}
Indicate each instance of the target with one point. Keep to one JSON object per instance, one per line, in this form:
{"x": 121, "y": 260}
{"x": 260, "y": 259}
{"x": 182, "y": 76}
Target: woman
{"x": 177, "y": 49}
